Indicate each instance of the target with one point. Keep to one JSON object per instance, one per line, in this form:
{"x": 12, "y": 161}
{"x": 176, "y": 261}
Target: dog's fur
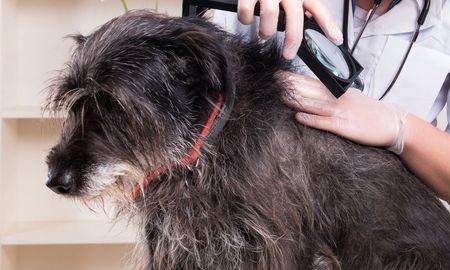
{"x": 267, "y": 193}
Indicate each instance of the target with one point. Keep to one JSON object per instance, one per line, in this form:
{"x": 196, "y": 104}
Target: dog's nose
{"x": 62, "y": 183}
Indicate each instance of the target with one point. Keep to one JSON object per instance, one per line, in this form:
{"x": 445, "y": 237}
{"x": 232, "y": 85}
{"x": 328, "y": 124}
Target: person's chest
{"x": 382, "y": 50}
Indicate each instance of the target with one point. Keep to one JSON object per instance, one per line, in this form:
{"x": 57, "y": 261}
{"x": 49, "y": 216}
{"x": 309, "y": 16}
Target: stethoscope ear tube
{"x": 420, "y": 21}
{"x": 371, "y": 14}
{"x": 423, "y": 15}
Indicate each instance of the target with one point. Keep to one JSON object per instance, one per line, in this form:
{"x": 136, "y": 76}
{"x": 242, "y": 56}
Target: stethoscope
{"x": 420, "y": 21}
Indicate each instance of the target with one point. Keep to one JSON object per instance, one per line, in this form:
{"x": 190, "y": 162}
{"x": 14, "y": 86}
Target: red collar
{"x": 190, "y": 157}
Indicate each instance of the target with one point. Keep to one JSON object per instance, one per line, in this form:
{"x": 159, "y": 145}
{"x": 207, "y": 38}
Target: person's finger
{"x": 246, "y": 9}
{"x": 268, "y": 18}
{"x": 311, "y": 106}
{"x": 294, "y": 27}
{"x": 318, "y": 122}
{"x": 326, "y": 22}
{"x": 309, "y": 87}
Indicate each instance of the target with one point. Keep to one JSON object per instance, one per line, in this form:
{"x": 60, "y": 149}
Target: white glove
{"x": 352, "y": 116}
{"x": 294, "y": 20}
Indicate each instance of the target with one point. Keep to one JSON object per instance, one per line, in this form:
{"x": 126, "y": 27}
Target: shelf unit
{"x": 38, "y": 229}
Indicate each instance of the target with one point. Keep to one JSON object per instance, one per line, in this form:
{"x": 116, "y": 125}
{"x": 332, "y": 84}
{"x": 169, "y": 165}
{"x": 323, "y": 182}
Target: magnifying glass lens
{"x": 327, "y": 53}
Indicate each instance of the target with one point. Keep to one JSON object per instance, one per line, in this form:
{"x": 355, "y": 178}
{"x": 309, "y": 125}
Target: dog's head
{"x": 134, "y": 94}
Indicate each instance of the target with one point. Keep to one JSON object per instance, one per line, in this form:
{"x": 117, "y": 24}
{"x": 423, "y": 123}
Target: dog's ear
{"x": 78, "y": 38}
{"x": 209, "y": 61}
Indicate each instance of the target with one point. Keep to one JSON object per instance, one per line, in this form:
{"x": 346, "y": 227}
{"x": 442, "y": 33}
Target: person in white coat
{"x": 422, "y": 87}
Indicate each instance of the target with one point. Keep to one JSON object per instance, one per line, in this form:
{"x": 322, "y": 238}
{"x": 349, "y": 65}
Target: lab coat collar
{"x": 403, "y": 18}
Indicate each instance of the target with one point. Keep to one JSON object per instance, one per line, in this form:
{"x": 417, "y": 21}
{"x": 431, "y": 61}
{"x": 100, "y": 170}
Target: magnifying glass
{"x": 333, "y": 65}
{"x": 329, "y": 56}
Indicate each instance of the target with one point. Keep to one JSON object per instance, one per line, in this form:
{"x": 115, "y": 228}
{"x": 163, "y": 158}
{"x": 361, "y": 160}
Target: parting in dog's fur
{"x": 267, "y": 193}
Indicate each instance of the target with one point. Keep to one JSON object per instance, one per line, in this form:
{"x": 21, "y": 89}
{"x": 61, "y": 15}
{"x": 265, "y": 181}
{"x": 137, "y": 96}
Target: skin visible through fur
{"x": 267, "y": 193}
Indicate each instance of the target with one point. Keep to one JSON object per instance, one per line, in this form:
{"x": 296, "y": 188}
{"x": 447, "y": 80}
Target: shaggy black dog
{"x": 145, "y": 94}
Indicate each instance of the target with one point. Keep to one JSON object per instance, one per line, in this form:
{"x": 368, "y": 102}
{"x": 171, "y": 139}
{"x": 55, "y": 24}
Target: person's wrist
{"x": 410, "y": 137}
{"x": 401, "y": 118}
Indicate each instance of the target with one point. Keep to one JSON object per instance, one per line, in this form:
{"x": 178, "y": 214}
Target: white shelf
{"x": 72, "y": 233}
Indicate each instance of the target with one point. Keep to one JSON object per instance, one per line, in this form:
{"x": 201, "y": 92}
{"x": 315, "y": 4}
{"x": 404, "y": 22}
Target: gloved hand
{"x": 352, "y": 116}
{"x": 294, "y": 20}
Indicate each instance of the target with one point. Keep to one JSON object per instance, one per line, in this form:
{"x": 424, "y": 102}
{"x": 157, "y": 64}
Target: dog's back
{"x": 358, "y": 206}
{"x": 267, "y": 193}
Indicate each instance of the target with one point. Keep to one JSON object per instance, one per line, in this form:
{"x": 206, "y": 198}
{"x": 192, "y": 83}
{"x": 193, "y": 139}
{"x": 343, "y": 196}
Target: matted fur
{"x": 267, "y": 193}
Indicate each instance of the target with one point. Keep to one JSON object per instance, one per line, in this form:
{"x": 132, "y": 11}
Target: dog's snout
{"x": 62, "y": 183}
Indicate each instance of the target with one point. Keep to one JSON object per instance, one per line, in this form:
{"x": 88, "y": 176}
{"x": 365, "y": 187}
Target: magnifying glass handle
{"x": 200, "y": 6}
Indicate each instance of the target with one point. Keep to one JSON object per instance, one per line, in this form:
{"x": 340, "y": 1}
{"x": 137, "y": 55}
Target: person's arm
{"x": 294, "y": 20}
{"x": 423, "y": 148}
{"x": 427, "y": 154}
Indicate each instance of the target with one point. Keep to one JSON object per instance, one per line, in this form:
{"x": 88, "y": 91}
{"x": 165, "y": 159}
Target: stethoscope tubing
{"x": 420, "y": 21}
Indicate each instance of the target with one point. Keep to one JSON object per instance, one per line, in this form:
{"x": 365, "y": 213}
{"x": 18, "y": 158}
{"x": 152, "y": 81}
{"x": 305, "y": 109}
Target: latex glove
{"x": 294, "y": 20}
{"x": 353, "y": 116}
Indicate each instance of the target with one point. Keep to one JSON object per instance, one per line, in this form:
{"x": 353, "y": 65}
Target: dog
{"x": 184, "y": 126}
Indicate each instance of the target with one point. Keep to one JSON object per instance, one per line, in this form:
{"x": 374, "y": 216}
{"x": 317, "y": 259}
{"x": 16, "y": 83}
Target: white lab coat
{"x": 423, "y": 86}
